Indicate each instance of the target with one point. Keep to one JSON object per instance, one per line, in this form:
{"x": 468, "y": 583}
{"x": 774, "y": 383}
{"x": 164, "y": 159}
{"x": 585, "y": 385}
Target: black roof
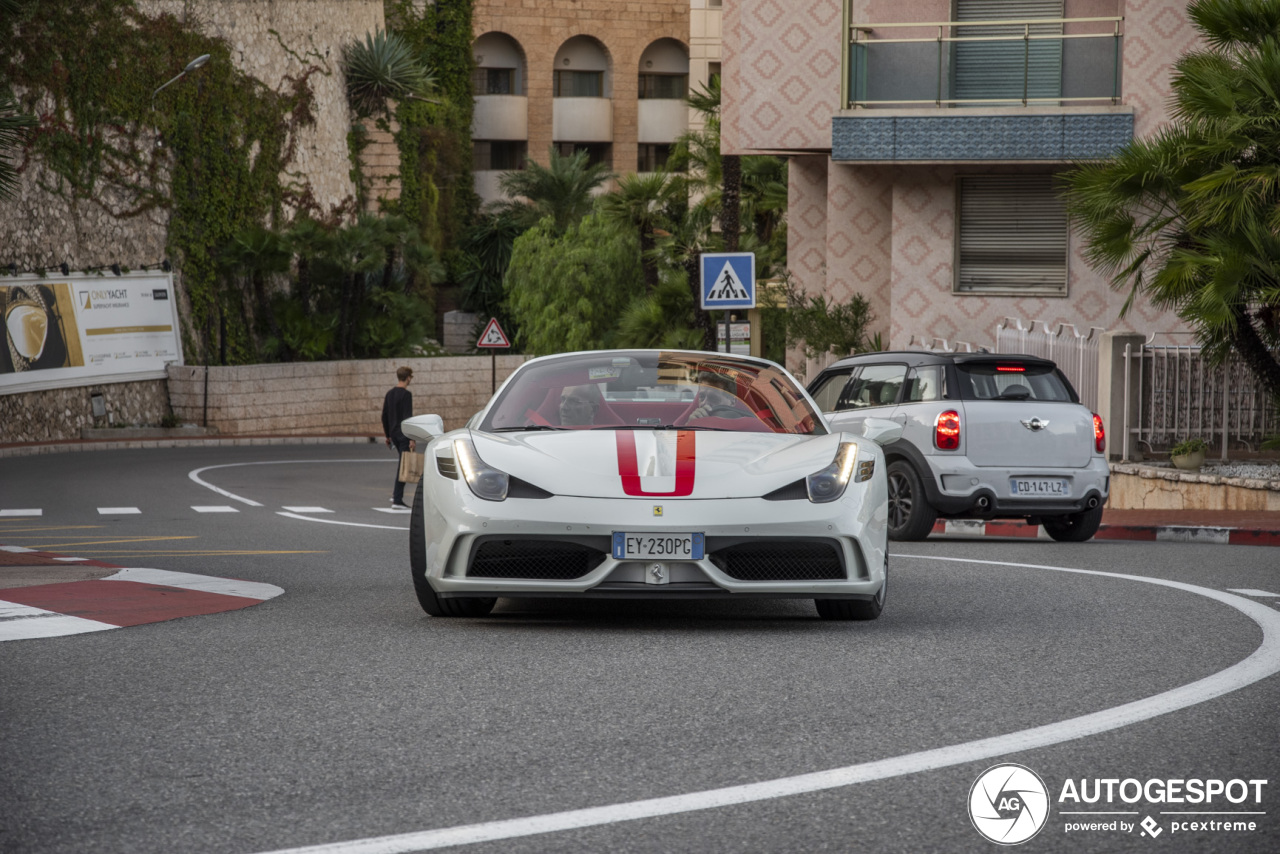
{"x": 914, "y": 358}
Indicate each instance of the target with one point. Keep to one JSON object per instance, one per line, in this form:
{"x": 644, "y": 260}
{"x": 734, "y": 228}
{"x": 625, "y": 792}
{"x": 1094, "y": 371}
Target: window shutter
{"x": 1013, "y": 235}
{"x": 998, "y": 69}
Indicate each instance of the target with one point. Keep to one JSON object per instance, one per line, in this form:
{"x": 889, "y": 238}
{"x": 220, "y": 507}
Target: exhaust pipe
{"x": 984, "y": 503}
{"x": 1092, "y": 502}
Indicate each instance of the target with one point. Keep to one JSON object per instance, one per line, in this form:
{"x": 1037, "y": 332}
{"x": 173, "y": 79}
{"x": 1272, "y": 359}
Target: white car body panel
{"x": 682, "y": 480}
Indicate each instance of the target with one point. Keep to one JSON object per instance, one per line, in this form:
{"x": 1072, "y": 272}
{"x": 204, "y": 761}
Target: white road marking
{"x": 308, "y": 510}
{"x": 21, "y": 512}
{"x": 18, "y": 550}
{"x": 1245, "y": 591}
{"x": 1261, "y": 663}
{"x": 195, "y": 475}
{"x": 23, "y": 622}
{"x": 214, "y": 508}
{"x": 336, "y": 522}
{"x": 118, "y": 511}
{"x": 206, "y": 583}
{"x": 396, "y": 510}
{"x": 70, "y": 559}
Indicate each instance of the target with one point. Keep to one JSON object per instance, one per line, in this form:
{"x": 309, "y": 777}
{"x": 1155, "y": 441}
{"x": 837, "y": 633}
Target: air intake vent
{"x": 534, "y": 559}
{"x": 447, "y": 467}
{"x": 780, "y": 561}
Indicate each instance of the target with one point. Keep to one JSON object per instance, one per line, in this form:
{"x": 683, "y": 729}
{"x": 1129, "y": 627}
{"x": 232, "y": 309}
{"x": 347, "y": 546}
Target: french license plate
{"x": 1050, "y": 487}
{"x": 671, "y": 546}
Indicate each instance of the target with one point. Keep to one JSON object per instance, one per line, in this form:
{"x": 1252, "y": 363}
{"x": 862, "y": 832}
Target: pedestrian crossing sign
{"x": 493, "y": 336}
{"x": 728, "y": 280}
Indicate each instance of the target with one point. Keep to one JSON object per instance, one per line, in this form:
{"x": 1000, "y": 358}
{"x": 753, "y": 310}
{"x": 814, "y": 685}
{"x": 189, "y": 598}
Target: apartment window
{"x": 666, "y": 86}
{"x": 1012, "y": 235}
{"x": 653, "y": 156}
{"x": 713, "y": 71}
{"x": 578, "y": 84}
{"x": 597, "y": 152}
{"x": 493, "y": 81}
{"x": 998, "y": 63}
{"x": 498, "y": 155}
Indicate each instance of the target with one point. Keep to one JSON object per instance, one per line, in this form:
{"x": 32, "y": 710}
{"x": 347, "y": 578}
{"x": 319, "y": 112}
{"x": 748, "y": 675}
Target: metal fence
{"x": 1181, "y": 396}
{"x": 1075, "y": 354}
{"x": 938, "y": 345}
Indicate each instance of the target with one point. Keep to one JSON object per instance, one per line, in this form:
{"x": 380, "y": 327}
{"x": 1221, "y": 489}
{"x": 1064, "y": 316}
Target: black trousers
{"x": 397, "y": 493}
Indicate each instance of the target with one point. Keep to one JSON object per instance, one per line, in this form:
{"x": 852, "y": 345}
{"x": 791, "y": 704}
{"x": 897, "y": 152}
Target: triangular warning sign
{"x": 728, "y": 286}
{"x": 493, "y": 335}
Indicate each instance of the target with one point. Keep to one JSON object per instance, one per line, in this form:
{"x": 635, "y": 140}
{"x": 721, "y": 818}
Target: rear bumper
{"x": 958, "y": 489}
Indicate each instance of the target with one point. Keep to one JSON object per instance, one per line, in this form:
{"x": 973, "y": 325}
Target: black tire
{"x": 432, "y": 604}
{"x": 854, "y": 609}
{"x": 1076, "y": 528}
{"x": 911, "y": 516}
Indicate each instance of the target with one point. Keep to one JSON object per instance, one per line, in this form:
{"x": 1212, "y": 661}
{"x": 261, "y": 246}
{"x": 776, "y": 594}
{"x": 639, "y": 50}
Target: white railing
{"x": 1075, "y": 354}
{"x": 1181, "y": 396}
{"x": 938, "y": 345}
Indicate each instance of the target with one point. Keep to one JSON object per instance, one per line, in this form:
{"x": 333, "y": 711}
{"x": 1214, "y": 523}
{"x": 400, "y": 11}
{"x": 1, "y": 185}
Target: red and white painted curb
{"x": 132, "y": 596}
{"x": 1159, "y": 533}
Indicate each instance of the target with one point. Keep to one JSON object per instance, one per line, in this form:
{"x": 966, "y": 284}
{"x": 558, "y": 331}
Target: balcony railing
{"x": 1024, "y": 62}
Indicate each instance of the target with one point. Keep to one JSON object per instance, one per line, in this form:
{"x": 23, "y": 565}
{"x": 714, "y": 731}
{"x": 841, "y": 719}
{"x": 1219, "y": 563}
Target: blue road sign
{"x": 728, "y": 280}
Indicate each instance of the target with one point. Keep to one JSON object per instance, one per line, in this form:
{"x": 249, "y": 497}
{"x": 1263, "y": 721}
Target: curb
{"x": 76, "y": 445}
{"x": 1159, "y": 533}
{"x": 131, "y": 596}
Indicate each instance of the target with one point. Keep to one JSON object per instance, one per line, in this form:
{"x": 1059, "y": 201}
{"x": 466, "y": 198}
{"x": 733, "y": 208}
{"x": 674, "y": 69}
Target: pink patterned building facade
{"x": 909, "y": 187}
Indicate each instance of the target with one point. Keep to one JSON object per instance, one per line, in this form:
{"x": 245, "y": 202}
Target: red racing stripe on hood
{"x": 629, "y": 467}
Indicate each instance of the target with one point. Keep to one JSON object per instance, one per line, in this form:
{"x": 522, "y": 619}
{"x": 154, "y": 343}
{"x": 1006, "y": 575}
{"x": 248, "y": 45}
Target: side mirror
{"x": 882, "y": 431}
{"x": 423, "y": 427}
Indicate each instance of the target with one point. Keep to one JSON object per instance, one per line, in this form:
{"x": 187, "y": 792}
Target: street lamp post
{"x": 198, "y": 62}
{"x": 191, "y": 66}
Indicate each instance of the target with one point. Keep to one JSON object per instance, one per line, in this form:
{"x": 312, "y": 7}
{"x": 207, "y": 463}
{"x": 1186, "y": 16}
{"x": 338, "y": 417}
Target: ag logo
{"x": 1008, "y": 804}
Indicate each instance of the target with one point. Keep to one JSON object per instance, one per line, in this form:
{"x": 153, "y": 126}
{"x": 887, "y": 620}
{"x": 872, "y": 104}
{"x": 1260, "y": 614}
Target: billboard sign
{"x": 85, "y": 329}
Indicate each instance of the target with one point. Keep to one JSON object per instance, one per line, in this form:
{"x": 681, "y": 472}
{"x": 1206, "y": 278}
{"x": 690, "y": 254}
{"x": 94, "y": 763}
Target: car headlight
{"x": 829, "y": 483}
{"x": 485, "y": 481}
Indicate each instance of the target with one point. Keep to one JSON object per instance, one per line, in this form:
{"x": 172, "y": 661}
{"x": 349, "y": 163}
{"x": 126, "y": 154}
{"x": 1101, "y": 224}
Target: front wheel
{"x": 427, "y": 598}
{"x": 1076, "y": 528}
{"x": 911, "y": 516}
{"x": 854, "y": 609}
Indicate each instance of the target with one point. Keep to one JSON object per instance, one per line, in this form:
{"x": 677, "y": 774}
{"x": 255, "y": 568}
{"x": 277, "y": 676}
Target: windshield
{"x": 651, "y": 390}
{"x": 1012, "y": 379}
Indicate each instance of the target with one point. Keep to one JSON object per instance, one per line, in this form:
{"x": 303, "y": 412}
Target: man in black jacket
{"x": 396, "y": 407}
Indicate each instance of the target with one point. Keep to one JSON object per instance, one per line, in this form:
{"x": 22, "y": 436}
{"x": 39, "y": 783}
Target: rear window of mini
{"x": 1013, "y": 380}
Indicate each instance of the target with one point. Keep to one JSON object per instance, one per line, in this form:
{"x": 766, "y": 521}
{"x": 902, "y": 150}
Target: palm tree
{"x": 561, "y": 190}
{"x": 1190, "y": 217}
{"x": 383, "y": 66}
{"x": 641, "y": 202}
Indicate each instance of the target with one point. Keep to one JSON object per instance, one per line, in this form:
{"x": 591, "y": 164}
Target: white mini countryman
{"x": 653, "y": 474}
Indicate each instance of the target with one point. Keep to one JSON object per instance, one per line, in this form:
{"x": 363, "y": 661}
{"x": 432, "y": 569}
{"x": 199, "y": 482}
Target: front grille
{"x": 780, "y": 561}
{"x": 549, "y": 560}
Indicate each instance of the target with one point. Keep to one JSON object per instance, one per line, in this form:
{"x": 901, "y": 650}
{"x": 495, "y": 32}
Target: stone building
{"x": 600, "y": 76}
{"x": 923, "y": 142}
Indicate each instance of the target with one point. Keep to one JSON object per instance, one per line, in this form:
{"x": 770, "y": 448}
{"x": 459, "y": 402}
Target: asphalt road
{"x": 340, "y": 712}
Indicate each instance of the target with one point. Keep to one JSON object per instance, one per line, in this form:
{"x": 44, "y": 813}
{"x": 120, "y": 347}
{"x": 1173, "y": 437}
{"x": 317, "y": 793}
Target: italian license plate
{"x": 670, "y": 546}
{"x": 1047, "y": 487}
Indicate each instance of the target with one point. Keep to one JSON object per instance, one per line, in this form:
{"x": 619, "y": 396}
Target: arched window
{"x": 581, "y": 70}
{"x": 500, "y": 66}
{"x": 664, "y": 71}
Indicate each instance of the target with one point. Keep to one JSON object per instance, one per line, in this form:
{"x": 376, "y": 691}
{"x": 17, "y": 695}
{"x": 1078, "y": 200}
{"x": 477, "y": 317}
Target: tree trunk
{"x": 647, "y": 263}
{"x": 1259, "y": 360}
{"x": 731, "y": 200}
{"x": 693, "y": 270}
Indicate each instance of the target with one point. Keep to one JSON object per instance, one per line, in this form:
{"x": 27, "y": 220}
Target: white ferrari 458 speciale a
{"x": 650, "y": 474}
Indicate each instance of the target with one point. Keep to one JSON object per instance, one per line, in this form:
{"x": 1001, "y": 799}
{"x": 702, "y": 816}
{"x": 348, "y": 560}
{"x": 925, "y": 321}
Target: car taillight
{"x": 1099, "y": 434}
{"x": 946, "y": 431}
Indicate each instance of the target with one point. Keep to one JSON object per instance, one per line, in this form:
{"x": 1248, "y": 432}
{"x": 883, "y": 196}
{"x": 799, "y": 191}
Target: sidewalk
{"x": 1217, "y": 527}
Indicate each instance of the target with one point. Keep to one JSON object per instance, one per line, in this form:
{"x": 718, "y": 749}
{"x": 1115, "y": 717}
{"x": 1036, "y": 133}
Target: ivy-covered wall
{"x": 259, "y": 132}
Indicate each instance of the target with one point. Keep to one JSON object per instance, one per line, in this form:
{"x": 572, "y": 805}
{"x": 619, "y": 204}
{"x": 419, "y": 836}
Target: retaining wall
{"x": 328, "y": 397}
{"x": 1135, "y": 487}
